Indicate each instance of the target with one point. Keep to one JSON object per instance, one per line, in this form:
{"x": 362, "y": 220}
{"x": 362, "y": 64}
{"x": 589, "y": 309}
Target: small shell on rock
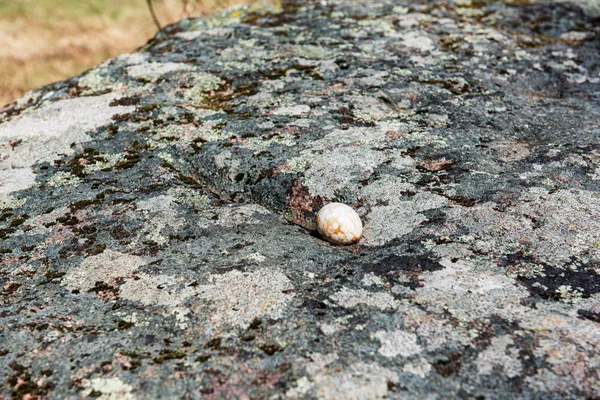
{"x": 339, "y": 224}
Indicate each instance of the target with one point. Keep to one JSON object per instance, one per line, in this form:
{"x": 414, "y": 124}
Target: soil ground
{"x": 44, "y": 41}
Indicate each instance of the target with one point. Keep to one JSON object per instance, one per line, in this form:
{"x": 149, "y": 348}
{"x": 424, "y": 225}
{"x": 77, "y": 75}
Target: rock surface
{"x": 158, "y": 211}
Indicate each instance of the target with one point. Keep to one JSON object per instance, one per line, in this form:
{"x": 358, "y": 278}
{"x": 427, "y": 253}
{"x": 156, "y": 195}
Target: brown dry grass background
{"x": 44, "y": 41}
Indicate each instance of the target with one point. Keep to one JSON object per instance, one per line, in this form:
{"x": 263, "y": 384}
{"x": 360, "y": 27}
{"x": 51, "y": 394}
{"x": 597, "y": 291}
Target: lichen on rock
{"x": 157, "y": 213}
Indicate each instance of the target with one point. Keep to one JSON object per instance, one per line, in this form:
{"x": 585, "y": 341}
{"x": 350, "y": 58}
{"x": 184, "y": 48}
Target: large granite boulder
{"x": 157, "y": 222}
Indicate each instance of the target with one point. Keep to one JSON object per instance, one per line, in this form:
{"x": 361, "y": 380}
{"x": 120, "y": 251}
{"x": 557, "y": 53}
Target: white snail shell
{"x": 339, "y": 224}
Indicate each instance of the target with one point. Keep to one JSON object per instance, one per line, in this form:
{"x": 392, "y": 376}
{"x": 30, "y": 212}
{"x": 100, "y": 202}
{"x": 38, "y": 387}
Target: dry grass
{"x": 44, "y": 41}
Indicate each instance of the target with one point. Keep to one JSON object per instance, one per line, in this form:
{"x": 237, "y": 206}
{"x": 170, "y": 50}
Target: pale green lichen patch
{"x": 553, "y": 227}
{"x": 245, "y": 57}
{"x": 184, "y": 135}
{"x": 100, "y": 268}
{"x": 526, "y": 270}
{"x": 591, "y": 7}
{"x": 201, "y": 84}
{"x": 99, "y": 80}
{"x": 369, "y": 108}
{"x": 501, "y": 353}
{"x": 311, "y": 52}
{"x": 50, "y": 130}
{"x": 397, "y": 343}
{"x": 468, "y": 293}
{"x": 332, "y": 172}
{"x": 190, "y": 197}
{"x": 420, "y": 368}
{"x": 30, "y": 97}
{"x": 336, "y": 168}
{"x": 153, "y": 71}
{"x": 293, "y": 110}
{"x": 255, "y": 257}
{"x": 385, "y": 223}
{"x": 337, "y": 162}
{"x": 231, "y": 216}
{"x": 418, "y": 41}
{"x": 107, "y": 161}
{"x": 235, "y": 298}
{"x": 62, "y": 178}
{"x": 107, "y": 388}
{"x": 351, "y": 298}
{"x": 569, "y": 294}
{"x": 230, "y": 16}
{"x": 7, "y": 202}
{"x": 216, "y": 31}
{"x": 160, "y": 213}
{"x": 159, "y": 290}
{"x": 238, "y": 298}
{"x": 360, "y": 380}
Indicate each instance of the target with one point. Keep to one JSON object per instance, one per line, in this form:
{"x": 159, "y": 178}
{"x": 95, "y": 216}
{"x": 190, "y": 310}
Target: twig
{"x": 154, "y": 18}
{"x": 184, "y": 11}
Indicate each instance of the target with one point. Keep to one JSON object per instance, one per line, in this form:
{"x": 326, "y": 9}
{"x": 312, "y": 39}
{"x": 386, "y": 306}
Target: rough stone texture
{"x": 158, "y": 211}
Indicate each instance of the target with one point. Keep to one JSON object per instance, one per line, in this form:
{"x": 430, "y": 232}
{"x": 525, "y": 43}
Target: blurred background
{"x": 43, "y": 41}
